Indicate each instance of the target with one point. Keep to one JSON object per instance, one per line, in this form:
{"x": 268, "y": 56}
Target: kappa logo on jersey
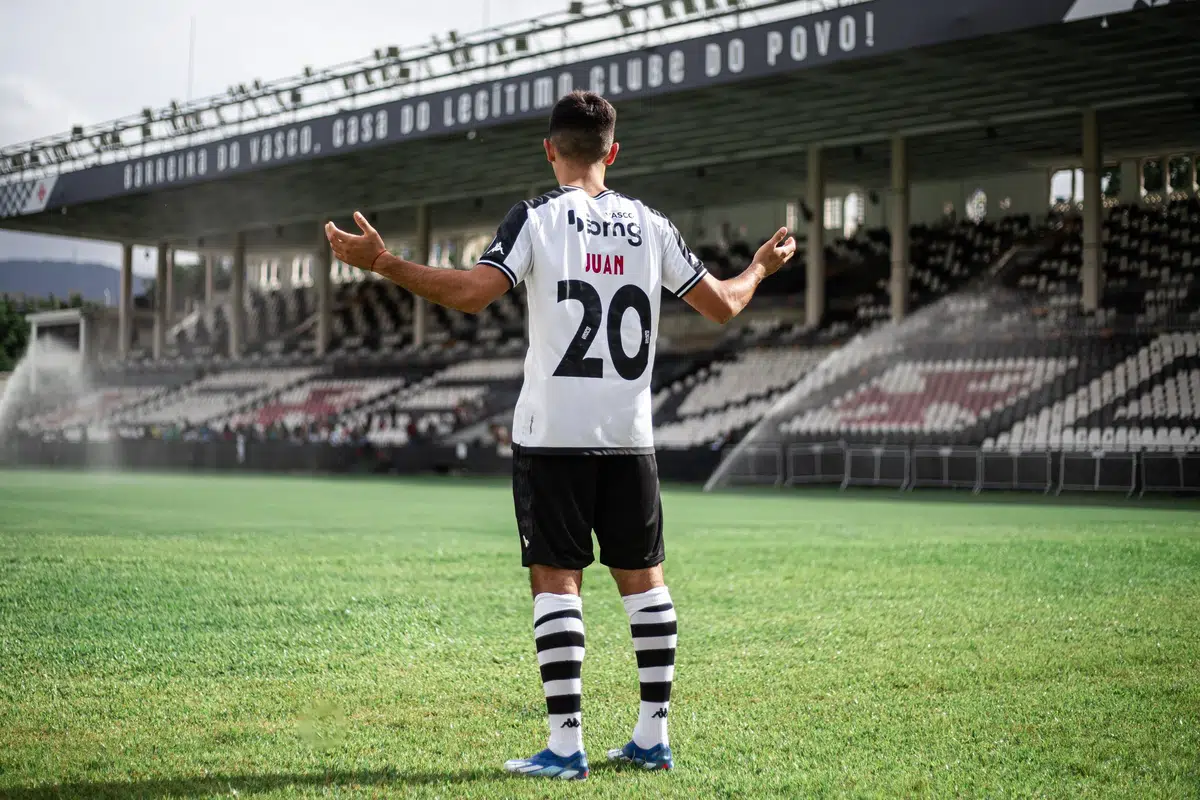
{"x": 630, "y": 232}
{"x": 604, "y": 264}
{"x": 498, "y": 248}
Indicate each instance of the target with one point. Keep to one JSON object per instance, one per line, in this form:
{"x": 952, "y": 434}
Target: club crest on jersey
{"x": 630, "y": 232}
{"x": 604, "y": 264}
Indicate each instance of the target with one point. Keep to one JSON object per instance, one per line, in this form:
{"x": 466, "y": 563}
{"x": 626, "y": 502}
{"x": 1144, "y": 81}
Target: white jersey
{"x": 593, "y": 268}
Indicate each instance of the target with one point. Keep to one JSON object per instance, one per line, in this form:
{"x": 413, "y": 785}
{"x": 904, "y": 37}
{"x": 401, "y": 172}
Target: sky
{"x": 78, "y": 62}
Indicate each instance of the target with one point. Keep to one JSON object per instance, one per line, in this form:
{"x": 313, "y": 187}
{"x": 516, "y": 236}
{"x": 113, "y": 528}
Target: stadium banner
{"x": 854, "y": 29}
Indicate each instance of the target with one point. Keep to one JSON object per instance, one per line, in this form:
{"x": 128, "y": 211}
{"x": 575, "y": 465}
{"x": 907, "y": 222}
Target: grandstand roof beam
{"x": 237, "y": 298}
{"x": 125, "y": 303}
{"x": 814, "y": 290}
{"x": 322, "y": 269}
{"x": 1093, "y": 207}
{"x": 421, "y": 254}
{"x": 898, "y": 222}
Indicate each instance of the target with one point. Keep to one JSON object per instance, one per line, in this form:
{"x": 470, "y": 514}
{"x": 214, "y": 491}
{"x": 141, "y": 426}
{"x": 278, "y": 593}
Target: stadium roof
{"x": 989, "y": 105}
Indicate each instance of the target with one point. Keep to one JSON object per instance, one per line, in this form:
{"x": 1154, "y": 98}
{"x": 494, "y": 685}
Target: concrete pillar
{"x": 209, "y": 284}
{"x": 1093, "y": 212}
{"x": 170, "y": 306}
{"x": 160, "y": 303}
{"x": 1131, "y": 181}
{"x": 421, "y": 256}
{"x": 899, "y": 225}
{"x": 125, "y": 303}
{"x": 322, "y": 266}
{"x": 237, "y": 298}
{"x": 814, "y": 293}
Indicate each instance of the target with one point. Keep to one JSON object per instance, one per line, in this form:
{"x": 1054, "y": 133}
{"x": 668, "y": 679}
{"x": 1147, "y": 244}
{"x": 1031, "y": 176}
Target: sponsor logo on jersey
{"x": 604, "y": 264}
{"x": 629, "y": 231}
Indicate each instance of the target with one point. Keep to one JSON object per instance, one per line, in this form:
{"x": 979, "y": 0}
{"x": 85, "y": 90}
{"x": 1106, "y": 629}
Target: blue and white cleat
{"x": 547, "y": 764}
{"x": 657, "y": 757}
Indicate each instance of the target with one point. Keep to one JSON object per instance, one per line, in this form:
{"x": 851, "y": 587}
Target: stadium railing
{"x": 822, "y": 462}
{"x": 1097, "y": 471}
{"x": 947, "y": 467}
{"x": 1170, "y": 472}
{"x": 882, "y": 465}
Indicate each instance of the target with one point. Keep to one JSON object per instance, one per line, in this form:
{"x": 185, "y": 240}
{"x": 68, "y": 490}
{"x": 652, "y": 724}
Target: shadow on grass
{"x": 227, "y": 785}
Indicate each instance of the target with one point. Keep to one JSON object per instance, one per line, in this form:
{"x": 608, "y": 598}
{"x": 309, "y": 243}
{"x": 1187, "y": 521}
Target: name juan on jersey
{"x": 604, "y": 264}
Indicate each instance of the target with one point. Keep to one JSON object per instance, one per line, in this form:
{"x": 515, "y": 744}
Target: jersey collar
{"x": 581, "y": 189}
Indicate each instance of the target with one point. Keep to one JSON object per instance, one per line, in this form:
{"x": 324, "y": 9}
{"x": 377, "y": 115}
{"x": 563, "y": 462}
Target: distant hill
{"x": 64, "y": 278}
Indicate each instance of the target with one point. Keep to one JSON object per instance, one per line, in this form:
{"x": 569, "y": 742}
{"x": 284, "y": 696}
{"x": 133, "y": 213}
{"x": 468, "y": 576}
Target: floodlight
{"x": 521, "y": 44}
{"x": 575, "y": 8}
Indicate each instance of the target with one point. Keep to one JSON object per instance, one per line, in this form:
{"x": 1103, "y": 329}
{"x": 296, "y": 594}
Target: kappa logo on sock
{"x": 571, "y": 723}
{"x": 660, "y": 714}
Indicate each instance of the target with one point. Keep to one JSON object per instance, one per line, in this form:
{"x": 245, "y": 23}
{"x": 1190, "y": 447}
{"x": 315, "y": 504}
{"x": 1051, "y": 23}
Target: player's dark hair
{"x": 582, "y": 127}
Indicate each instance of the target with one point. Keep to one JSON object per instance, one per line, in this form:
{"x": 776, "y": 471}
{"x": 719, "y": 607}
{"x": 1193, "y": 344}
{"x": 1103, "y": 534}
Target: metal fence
{"x": 967, "y": 468}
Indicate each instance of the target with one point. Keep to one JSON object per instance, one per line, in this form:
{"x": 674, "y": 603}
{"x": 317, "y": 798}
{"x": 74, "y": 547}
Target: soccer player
{"x": 594, "y": 263}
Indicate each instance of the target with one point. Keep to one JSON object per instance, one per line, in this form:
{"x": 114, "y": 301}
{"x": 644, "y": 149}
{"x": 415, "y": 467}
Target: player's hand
{"x": 356, "y": 250}
{"x": 776, "y": 252}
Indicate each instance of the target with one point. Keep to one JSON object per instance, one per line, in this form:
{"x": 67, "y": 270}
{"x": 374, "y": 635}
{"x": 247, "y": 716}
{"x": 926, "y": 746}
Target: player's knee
{"x": 553, "y": 580}
{"x": 636, "y": 581}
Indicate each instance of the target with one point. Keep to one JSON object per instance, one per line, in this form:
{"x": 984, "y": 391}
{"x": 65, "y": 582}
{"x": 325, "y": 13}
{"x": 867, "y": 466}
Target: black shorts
{"x": 561, "y": 499}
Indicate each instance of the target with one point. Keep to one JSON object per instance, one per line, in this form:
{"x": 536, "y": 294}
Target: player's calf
{"x": 653, "y": 625}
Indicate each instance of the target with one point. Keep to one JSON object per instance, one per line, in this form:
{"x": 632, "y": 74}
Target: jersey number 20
{"x": 575, "y": 363}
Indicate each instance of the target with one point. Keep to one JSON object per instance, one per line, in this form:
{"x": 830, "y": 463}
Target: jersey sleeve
{"x": 681, "y": 270}
{"x": 511, "y": 251}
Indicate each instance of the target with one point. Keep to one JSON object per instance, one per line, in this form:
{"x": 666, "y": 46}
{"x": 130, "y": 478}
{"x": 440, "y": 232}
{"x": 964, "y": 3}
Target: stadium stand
{"x": 214, "y": 396}
{"x": 727, "y": 396}
{"x": 1142, "y": 402}
{"x": 95, "y": 406}
{"x": 322, "y": 400}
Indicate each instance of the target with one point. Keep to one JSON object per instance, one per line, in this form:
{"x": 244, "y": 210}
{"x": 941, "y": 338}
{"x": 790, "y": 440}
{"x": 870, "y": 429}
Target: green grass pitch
{"x": 197, "y": 636}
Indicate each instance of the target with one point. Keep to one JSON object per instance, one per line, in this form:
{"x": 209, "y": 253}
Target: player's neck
{"x": 589, "y": 178}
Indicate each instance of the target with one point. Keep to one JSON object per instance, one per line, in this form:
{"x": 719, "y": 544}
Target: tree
{"x": 14, "y": 335}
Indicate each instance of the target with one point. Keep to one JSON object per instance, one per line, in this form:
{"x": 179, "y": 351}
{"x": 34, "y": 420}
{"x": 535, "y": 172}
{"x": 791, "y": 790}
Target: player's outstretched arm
{"x": 469, "y": 291}
{"x": 721, "y": 301}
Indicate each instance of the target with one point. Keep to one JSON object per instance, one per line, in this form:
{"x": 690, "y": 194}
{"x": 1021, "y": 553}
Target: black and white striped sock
{"x": 558, "y": 633}
{"x": 652, "y": 623}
